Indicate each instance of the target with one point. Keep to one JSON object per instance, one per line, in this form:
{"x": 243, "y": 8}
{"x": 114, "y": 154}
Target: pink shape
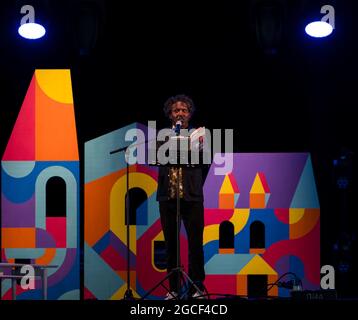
{"x": 282, "y": 215}
{"x": 216, "y": 216}
{"x": 56, "y": 227}
{"x": 233, "y": 183}
{"x": 7, "y": 295}
{"x": 88, "y": 295}
{"x": 306, "y": 248}
{"x": 21, "y": 145}
{"x": 113, "y": 259}
{"x": 147, "y": 170}
{"x": 223, "y": 284}
{"x": 264, "y": 182}
{"x": 3, "y": 256}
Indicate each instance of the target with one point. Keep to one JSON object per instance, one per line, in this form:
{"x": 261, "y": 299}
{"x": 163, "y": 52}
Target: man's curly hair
{"x": 182, "y": 98}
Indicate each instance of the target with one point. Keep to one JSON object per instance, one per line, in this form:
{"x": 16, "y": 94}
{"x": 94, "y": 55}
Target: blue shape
{"x": 210, "y": 249}
{"x": 99, "y": 162}
{"x": 275, "y": 230}
{"x": 69, "y": 283}
{"x": 142, "y": 214}
{"x": 306, "y": 191}
{"x": 100, "y": 278}
{"x": 152, "y": 215}
{"x": 102, "y": 243}
{"x": 227, "y": 264}
{"x": 19, "y": 190}
{"x": 297, "y": 267}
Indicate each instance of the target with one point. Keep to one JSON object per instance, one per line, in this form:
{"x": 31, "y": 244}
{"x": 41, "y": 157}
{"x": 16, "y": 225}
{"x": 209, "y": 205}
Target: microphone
{"x": 178, "y": 125}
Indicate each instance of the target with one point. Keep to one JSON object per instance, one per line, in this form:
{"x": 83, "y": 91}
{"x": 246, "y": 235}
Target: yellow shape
{"x": 119, "y": 294}
{"x": 55, "y": 126}
{"x": 159, "y": 237}
{"x": 49, "y": 81}
{"x": 226, "y": 187}
{"x": 257, "y": 186}
{"x": 239, "y": 219}
{"x": 296, "y": 215}
{"x": 305, "y": 224}
{"x": 211, "y": 233}
{"x": 117, "y": 204}
{"x": 257, "y": 265}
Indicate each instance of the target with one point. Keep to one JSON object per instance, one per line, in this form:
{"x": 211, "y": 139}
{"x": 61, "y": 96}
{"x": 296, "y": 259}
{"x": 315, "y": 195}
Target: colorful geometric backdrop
{"x": 270, "y": 206}
{"x": 41, "y": 159}
{"x": 261, "y": 221}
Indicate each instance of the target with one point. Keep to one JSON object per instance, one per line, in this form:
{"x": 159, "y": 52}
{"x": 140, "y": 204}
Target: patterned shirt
{"x": 176, "y": 173}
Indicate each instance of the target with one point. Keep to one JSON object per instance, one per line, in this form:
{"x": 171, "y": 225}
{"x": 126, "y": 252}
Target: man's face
{"x": 180, "y": 111}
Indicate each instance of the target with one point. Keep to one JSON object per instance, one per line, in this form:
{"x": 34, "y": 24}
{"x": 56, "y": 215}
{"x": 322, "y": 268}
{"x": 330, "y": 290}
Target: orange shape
{"x": 226, "y": 201}
{"x": 226, "y": 250}
{"x": 47, "y": 257}
{"x": 18, "y": 237}
{"x": 56, "y": 137}
{"x": 257, "y": 200}
{"x": 241, "y": 285}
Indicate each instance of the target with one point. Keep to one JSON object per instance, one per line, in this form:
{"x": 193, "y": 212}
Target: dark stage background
{"x": 291, "y": 94}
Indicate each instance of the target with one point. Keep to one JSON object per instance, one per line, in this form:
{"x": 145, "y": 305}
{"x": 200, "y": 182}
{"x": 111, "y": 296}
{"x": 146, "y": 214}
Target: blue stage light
{"x": 319, "y": 29}
{"x": 32, "y": 31}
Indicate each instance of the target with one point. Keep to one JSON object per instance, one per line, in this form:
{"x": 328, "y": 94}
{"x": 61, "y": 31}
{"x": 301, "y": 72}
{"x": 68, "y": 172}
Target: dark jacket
{"x": 193, "y": 180}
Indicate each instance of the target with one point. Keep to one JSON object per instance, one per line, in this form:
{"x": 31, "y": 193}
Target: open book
{"x": 195, "y": 139}
{"x": 197, "y": 133}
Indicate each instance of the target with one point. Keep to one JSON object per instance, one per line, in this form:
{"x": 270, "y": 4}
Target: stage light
{"x": 319, "y": 29}
{"x": 32, "y": 31}
{"x": 28, "y": 28}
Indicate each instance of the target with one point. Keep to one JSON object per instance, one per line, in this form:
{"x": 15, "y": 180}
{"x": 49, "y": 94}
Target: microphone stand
{"x": 128, "y": 295}
{"x": 178, "y": 270}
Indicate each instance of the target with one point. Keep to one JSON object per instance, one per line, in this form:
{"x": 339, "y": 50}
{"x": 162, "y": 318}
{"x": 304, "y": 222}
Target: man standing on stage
{"x": 179, "y": 109}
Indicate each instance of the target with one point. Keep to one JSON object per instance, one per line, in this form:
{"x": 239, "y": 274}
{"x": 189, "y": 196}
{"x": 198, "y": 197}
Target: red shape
{"x": 264, "y": 182}
{"x": 21, "y": 145}
{"x": 282, "y": 215}
{"x": 306, "y": 248}
{"x": 88, "y": 295}
{"x": 56, "y": 226}
{"x": 233, "y": 183}
{"x": 3, "y": 256}
{"x": 224, "y": 284}
{"x": 113, "y": 259}
{"x": 216, "y": 216}
{"x": 7, "y": 295}
{"x": 145, "y": 169}
{"x": 147, "y": 276}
